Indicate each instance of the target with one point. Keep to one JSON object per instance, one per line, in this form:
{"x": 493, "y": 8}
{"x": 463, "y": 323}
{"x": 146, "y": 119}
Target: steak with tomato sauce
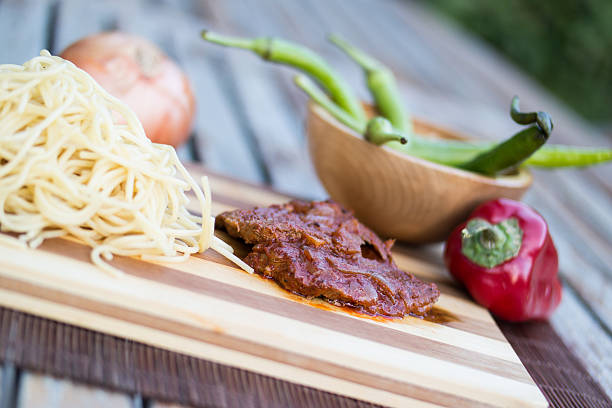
{"x": 319, "y": 249}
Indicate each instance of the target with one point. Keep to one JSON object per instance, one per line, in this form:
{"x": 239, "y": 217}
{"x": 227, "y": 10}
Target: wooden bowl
{"x": 399, "y": 196}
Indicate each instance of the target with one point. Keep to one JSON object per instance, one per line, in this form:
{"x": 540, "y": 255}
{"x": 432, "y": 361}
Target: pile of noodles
{"x": 75, "y": 162}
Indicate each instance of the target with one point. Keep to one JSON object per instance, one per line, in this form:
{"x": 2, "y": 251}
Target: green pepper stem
{"x": 526, "y": 118}
{"x": 380, "y": 131}
{"x": 489, "y": 245}
{"x": 230, "y": 41}
{"x": 390, "y": 137}
{"x": 382, "y": 85}
{"x": 302, "y": 58}
{"x": 365, "y": 61}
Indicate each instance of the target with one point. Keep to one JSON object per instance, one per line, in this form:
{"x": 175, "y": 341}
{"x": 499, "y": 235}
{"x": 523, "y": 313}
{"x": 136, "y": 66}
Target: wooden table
{"x": 250, "y": 126}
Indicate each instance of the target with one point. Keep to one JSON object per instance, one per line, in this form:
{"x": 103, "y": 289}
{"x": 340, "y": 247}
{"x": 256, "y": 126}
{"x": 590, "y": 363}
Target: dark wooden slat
{"x": 23, "y": 25}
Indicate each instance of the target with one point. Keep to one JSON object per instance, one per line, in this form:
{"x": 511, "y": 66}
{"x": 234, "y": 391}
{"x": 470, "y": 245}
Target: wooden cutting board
{"x": 208, "y": 308}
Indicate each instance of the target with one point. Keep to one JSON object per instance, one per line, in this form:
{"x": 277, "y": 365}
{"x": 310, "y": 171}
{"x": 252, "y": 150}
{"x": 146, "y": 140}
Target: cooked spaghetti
{"x": 75, "y": 162}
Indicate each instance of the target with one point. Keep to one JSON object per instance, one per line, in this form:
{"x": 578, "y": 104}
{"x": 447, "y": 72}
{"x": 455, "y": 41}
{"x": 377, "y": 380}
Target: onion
{"x": 141, "y": 75}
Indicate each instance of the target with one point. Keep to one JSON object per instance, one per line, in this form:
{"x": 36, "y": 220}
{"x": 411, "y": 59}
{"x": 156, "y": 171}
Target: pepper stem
{"x": 361, "y": 58}
{"x": 488, "y": 238}
{"x": 229, "y": 41}
{"x": 490, "y": 245}
{"x": 526, "y": 118}
{"x": 380, "y": 131}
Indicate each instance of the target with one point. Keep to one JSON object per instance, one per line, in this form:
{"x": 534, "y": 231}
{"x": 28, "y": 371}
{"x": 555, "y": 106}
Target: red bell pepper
{"x": 506, "y": 259}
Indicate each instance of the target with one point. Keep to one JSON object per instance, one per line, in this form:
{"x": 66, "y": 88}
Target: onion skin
{"x": 137, "y": 72}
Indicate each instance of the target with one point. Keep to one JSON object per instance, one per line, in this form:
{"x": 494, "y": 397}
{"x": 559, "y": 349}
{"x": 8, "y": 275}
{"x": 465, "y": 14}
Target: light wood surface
{"x": 208, "y": 308}
{"x": 400, "y": 196}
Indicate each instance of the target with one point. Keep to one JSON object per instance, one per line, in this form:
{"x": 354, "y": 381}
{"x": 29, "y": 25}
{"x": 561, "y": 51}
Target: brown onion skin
{"x": 136, "y": 71}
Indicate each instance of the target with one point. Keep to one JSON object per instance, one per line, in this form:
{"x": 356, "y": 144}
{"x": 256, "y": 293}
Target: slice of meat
{"x": 318, "y": 249}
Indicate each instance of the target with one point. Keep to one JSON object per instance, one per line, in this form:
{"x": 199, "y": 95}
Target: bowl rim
{"x": 520, "y": 180}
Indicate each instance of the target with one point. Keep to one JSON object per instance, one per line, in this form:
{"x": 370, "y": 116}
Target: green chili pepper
{"x": 448, "y": 152}
{"x": 485, "y": 157}
{"x": 382, "y": 85}
{"x": 512, "y": 152}
{"x": 509, "y": 153}
{"x": 455, "y": 153}
{"x": 568, "y": 156}
{"x": 302, "y": 58}
{"x": 319, "y": 97}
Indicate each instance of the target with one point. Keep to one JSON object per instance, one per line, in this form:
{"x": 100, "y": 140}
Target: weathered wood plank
{"x": 48, "y": 392}
{"x": 495, "y": 74}
{"x": 220, "y": 141}
{"x": 77, "y": 19}
{"x": 590, "y": 279}
{"x": 266, "y": 109}
{"x": 304, "y": 23}
{"x": 584, "y": 199}
{"x": 138, "y": 402}
{"x": 586, "y": 338}
{"x": 23, "y": 27}
{"x": 407, "y": 50}
{"x": 8, "y": 385}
